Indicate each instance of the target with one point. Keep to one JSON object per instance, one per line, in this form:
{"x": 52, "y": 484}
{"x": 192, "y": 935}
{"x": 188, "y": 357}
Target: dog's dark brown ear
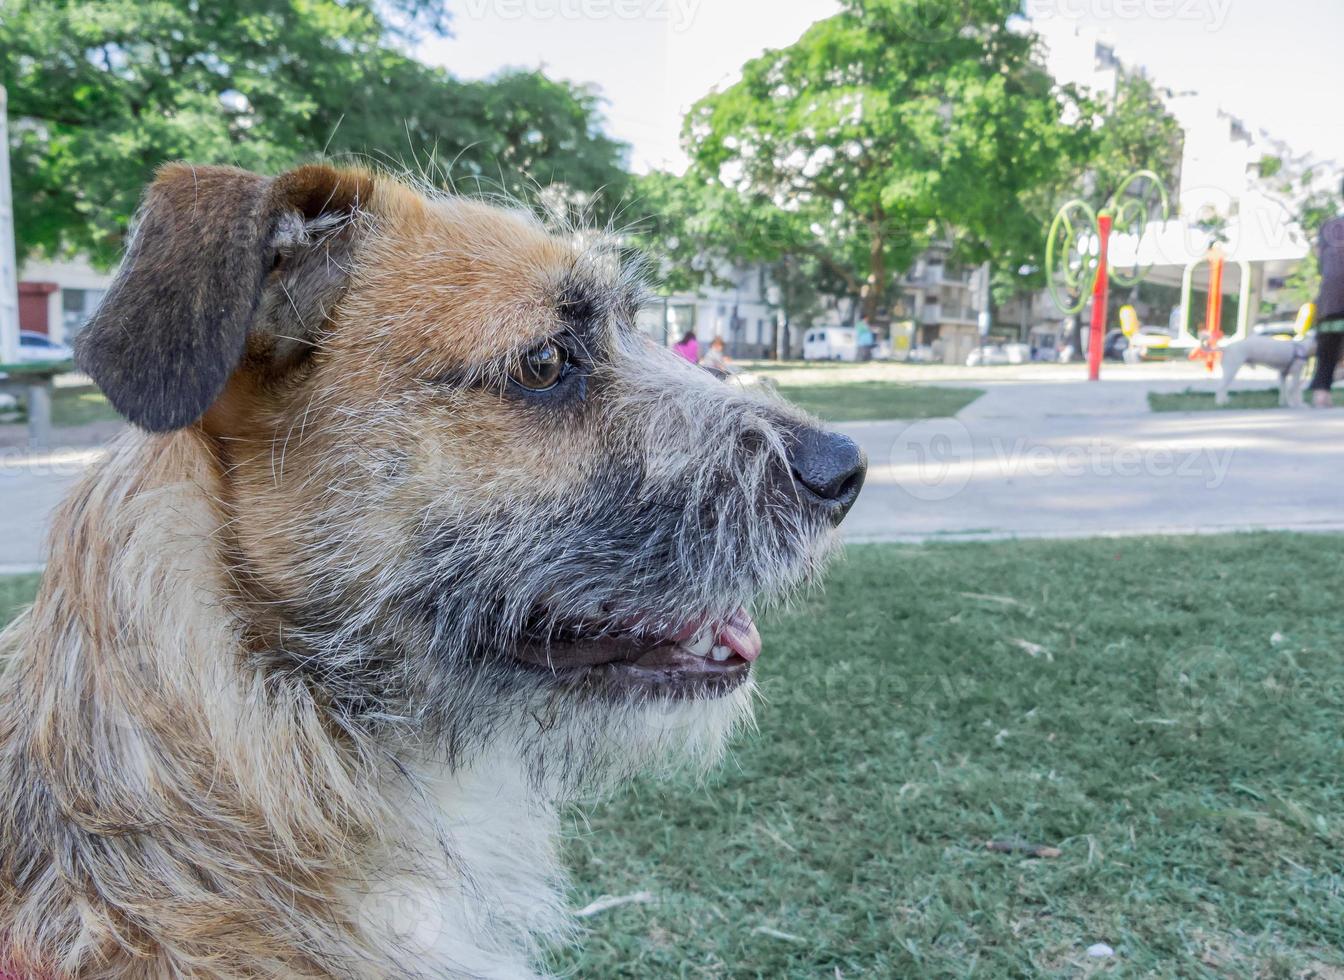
{"x": 209, "y": 244}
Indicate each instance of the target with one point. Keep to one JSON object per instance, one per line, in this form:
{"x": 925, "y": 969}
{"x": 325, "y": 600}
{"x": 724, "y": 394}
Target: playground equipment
{"x": 1129, "y": 321}
{"x": 1204, "y": 344}
{"x": 1141, "y": 341}
{"x": 1306, "y": 319}
{"x": 1077, "y": 252}
{"x": 1212, "y": 333}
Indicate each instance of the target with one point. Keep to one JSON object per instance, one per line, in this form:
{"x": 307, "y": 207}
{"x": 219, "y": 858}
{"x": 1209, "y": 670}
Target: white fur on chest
{"x": 479, "y": 892}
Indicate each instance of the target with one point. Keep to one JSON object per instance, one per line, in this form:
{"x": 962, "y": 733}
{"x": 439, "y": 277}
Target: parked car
{"x": 831, "y": 344}
{"x": 35, "y": 347}
{"x": 987, "y": 355}
{"x": 1276, "y": 328}
{"x": 1116, "y": 344}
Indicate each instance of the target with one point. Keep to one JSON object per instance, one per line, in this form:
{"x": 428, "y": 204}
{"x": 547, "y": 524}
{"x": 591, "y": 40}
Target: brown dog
{"x": 416, "y": 540}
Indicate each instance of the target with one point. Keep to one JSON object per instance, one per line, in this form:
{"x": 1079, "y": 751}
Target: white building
{"x": 944, "y": 301}
{"x": 55, "y": 298}
{"x": 740, "y": 312}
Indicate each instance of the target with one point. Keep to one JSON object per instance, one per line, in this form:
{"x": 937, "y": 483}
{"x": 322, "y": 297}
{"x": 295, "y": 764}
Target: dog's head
{"x": 458, "y": 485}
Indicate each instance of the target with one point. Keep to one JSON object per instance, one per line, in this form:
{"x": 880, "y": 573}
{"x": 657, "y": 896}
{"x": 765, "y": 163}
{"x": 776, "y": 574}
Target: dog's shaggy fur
{"x": 1288, "y": 357}
{"x": 325, "y": 642}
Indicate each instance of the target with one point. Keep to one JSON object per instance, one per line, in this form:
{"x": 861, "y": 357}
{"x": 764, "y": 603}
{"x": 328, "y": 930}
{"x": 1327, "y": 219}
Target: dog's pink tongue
{"x": 739, "y": 635}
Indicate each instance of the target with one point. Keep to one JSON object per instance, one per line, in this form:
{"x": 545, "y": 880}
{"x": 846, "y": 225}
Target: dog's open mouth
{"x": 699, "y": 657}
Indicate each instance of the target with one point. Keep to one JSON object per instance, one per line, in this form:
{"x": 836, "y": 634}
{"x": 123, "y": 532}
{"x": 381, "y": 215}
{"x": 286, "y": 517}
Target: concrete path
{"x": 31, "y": 485}
{"x": 1050, "y": 459}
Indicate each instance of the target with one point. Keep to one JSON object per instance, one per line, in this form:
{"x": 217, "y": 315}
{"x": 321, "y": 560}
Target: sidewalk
{"x": 31, "y": 485}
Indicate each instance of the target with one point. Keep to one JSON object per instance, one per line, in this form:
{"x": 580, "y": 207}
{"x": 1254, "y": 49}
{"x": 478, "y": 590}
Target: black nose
{"x": 828, "y": 468}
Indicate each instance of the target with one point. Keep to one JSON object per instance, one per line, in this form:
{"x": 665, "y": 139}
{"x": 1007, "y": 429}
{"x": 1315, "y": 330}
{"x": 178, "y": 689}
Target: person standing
{"x": 1329, "y": 310}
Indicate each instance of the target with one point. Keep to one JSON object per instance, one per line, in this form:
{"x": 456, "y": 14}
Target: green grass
{"x": 835, "y": 367}
{"x": 77, "y": 405}
{"x": 1177, "y": 733}
{"x": 843, "y": 401}
{"x": 1191, "y": 400}
{"x": 16, "y": 591}
{"x": 1167, "y": 712}
{"x": 852, "y": 401}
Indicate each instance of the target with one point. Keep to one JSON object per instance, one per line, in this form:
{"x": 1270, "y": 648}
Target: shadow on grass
{"x": 857, "y": 401}
{"x": 78, "y": 405}
{"x": 1191, "y": 400}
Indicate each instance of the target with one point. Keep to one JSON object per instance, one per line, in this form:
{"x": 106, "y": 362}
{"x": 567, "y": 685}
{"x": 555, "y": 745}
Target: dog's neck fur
{"x": 171, "y": 809}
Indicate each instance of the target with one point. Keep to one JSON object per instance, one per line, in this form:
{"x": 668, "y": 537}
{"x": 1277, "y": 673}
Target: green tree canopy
{"x": 896, "y": 123}
{"x": 1116, "y": 134}
{"x": 691, "y": 227}
{"x": 884, "y": 131}
{"x": 101, "y": 93}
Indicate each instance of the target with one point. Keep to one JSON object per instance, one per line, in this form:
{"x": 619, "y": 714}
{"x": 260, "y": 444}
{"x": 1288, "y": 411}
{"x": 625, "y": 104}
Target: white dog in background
{"x": 1288, "y": 357}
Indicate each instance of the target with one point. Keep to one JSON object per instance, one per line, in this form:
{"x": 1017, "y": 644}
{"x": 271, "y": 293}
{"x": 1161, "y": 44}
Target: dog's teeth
{"x": 701, "y": 643}
{"x": 722, "y": 653}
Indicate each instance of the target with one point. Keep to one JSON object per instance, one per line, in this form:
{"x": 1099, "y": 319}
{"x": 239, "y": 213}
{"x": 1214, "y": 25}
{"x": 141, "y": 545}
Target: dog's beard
{"x": 433, "y": 648}
{"x": 625, "y": 554}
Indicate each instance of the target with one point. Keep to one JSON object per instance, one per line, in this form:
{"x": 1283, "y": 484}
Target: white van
{"x": 831, "y": 344}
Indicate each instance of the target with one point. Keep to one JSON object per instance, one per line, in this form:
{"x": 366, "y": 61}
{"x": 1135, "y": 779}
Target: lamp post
{"x": 1077, "y": 254}
{"x": 9, "y": 273}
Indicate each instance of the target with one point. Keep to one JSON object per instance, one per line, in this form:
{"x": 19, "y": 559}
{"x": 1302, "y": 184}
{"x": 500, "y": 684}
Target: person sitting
{"x": 688, "y": 347}
{"x": 715, "y": 359}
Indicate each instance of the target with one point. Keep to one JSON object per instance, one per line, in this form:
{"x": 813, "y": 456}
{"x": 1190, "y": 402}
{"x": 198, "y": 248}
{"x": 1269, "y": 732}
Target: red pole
{"x": 1100, "y": 294}
{"x": 1214, "y": 313}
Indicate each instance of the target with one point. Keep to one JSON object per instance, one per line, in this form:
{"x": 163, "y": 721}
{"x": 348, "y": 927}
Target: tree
{"x": 691, "y": 228}
{"x": 1117, "y": 134}
{"x": 880, "y": 139}
{"x": 103, "y": 92}
{"x": 1309, "y": 193}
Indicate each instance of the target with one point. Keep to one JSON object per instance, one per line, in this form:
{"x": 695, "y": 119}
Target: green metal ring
{"x": 1081, "y": 279}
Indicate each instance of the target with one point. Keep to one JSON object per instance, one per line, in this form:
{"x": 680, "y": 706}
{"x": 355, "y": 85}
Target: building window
{"x": 77, "y": 305}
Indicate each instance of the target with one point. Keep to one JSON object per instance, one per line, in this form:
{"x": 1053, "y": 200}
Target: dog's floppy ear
{"x": 176, "y": 321}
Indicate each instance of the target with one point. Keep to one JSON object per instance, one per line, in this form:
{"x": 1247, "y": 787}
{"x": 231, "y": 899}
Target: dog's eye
{"x": 541, "y": 368}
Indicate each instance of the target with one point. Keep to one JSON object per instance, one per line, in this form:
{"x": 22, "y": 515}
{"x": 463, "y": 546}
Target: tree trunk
{"x": 877, "y": 272}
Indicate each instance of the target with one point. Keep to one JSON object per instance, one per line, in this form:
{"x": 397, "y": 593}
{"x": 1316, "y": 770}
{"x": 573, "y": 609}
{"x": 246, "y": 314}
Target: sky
{"x": 1274, "y": 63}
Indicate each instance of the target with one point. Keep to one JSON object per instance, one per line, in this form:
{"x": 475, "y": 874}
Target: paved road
{"x": 1042, "y": 454}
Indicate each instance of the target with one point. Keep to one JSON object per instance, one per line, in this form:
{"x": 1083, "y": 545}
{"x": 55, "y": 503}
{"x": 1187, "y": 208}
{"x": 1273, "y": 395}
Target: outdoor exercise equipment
{"x": 1077, "y": 252}
{"x": 1213, "y": 312}
{"x": 1200, "y": 343}
{"x": 1129, "y": 322}
{"x": 1306, "y": 319}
